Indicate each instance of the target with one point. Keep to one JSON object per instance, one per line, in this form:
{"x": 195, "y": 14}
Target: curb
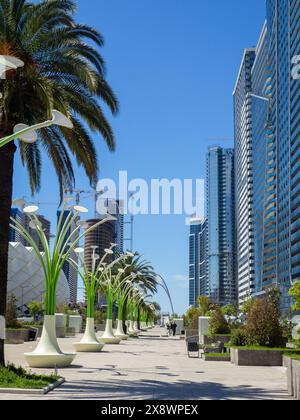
{"x": 42, "y": 391}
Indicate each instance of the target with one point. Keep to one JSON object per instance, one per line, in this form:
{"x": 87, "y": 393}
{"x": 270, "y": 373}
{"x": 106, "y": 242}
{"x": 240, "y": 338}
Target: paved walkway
{"x": 156, "y": 368}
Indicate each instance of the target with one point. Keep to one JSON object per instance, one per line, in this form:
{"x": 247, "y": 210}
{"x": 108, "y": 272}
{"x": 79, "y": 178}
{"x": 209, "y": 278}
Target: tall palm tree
{"x": 63, "y": 70}
{"x": 145, "y": 277}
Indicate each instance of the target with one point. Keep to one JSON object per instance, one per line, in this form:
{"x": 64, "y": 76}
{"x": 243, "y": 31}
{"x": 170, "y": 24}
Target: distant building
{"x": 221, "y": 228}
{"x": 26, "y": 279}
{"x": 197, "y": 259}
{"x": 69, "y": 271}
{"x": 101, "y": 237}
{"x": 24, "y": 220}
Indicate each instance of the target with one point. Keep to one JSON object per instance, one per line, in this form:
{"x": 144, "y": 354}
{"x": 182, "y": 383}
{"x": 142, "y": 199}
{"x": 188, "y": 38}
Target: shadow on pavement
{"x": 157, "y": 390}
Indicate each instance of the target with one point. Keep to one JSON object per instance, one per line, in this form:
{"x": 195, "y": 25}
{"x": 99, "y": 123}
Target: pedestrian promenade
{"x": 155, "y": 368}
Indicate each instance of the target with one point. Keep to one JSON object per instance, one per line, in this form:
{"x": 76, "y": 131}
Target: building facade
{"x": 24, "y": 220}
{"x": 244, "y": 177}
{"x": 275, "y": 127}
{"x": 221, "y": 236}
{"x": 197, "y": 260}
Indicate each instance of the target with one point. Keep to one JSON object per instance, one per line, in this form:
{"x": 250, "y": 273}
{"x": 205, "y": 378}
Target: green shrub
{"x": 263, "y": 324}
{"x": 238, "y": 337}
{"x": 218, "y": 324}
{"x": 11, "y": 313}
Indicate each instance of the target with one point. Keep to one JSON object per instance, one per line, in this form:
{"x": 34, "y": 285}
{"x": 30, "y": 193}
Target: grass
{"x": 217, "y": 335}
{"x": 19, "y": 378}
{"x": 218, "y": 355}
{"x": 293, "y": 356}
{"x": 257, "y": 348}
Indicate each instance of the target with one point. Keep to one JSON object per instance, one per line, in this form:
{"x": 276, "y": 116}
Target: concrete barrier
{"x": 203, "y": 328}
{"x": 293, "y": 376}
{"x": 75, "y": 321}
{"x": 245, "y": 357}
{"x": 16, "y": 336}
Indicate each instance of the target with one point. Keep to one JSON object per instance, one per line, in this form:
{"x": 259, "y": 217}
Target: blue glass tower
{"x": 221, "y": 236}
{"x": 275, "y": 129}
{"x": 197, "y": 266}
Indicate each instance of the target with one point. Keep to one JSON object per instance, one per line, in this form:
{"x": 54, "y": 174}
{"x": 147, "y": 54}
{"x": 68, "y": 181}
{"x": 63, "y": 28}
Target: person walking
{"x": 174, "y": 328}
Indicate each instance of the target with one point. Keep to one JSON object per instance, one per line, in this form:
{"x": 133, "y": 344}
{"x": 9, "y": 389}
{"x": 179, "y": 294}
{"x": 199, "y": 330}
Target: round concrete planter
{"x": 48, "y": 355}
{"x": 108, "y": 336}
{"x": 120, "y": 332}
{"x": 89, "y": 342}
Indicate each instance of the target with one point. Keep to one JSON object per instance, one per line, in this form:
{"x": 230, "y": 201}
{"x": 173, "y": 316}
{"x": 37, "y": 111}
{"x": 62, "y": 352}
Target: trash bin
{"x": 33, "y": 334}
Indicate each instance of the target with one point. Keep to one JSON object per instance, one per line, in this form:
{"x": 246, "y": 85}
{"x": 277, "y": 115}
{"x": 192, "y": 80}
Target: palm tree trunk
{"x": 6, "y": 185}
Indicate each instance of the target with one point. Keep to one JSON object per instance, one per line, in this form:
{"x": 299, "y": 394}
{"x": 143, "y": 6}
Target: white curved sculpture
{"x": 108, "y": 336}
{"x": 48, "y": 354}
{"x": 120, "y": 331}
{"x": 89, "y": 342}
{"x": 26, "y": 280}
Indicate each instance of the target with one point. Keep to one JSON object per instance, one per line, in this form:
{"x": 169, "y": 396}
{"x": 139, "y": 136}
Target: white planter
{"x": 48, "y": 355}
{"x": 89, "y": 342}
{"x": 131, "y": 330}
{"x": 135, "y": 327}
{"x": 120, "y": 331}
{"x": 108, "y": 336}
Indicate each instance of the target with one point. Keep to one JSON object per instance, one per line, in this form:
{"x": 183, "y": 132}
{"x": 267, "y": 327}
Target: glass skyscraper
{"x": 275, "y": 128}
{"x": 221, "y": 236}
{"x": 244, "y": 177}
{"x": 197, "y": 252}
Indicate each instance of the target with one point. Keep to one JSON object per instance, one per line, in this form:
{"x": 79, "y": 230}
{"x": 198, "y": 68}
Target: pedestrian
{"x": 168, "y": 329}
{"x": 174, "y": 328}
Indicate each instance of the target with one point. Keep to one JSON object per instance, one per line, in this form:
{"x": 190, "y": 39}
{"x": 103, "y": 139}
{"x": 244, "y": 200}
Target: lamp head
{"x": 30, "y": 137}
{"x": 60, "y": 119}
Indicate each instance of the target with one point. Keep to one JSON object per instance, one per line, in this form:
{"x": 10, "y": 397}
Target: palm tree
{"x": 62, "y": 71}
{"x": 145, "y": 277}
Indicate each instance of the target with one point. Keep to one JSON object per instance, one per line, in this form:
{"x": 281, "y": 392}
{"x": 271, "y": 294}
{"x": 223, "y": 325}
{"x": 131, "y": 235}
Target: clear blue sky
{"x": 173, "y": 64}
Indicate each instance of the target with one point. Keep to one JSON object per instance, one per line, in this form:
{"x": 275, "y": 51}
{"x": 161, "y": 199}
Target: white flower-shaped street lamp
{"x": 92, "y": 281}
{"x": 66, "y": 240}
{"x": 8, "y": 63}
{"x": 29, "y": 134}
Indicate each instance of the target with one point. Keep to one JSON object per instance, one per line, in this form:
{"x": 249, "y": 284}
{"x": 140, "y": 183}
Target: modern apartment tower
{"x": 275, "y": 130}
{"x": 197, "y": 259}
{"x": 221, "y": 237}
{"x": 70, "y": 272}
{"x": 98, "y": 240}
{"x": 244, "y": 178}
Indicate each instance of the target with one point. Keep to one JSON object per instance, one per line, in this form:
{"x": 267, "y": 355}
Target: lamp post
{"x": 166, "y": 289}
{"x": 29, "y": 135}
{"x": 48, "y": 353}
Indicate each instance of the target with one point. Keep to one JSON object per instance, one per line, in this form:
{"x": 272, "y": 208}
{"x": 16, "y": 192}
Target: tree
{"x": 218, "y": 323}
{"x": 230, "y": 310}
{"x": 205, "y": 305}
{"x": 61, "y": 72}
{"x": 295, "y": 294}
{"x": 263, "y": 324}
{"x": 35, "y": 308}
{"x": 144, "y": 274}
{"x": 246, "y": 307}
